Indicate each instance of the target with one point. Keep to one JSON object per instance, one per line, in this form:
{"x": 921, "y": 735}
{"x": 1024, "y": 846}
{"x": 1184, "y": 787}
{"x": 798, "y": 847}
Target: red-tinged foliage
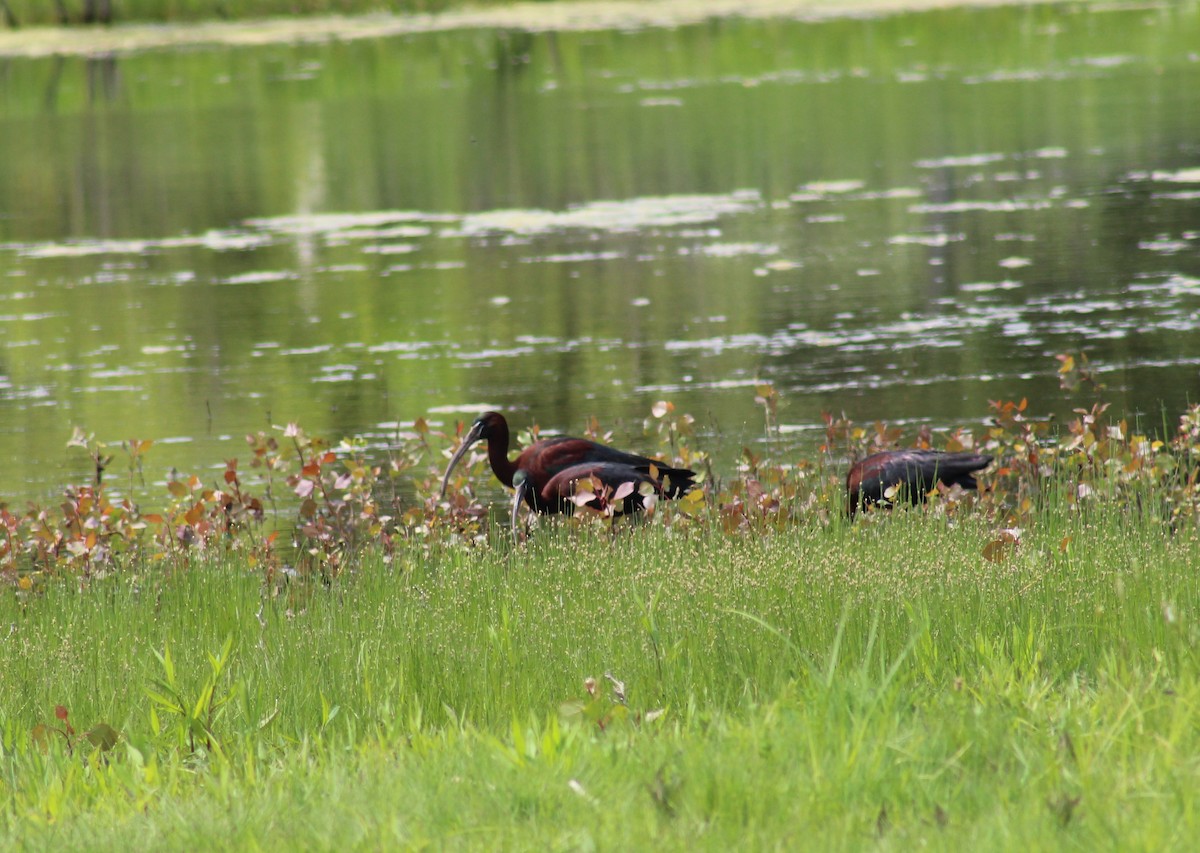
{"x": 332, "y": 502}
{"x": 94, "y": 531}
{"x": 1075, "y": 373}
{"x": 101, "y": 736}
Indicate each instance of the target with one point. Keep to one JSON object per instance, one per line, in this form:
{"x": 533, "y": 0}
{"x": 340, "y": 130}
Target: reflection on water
{"x": 887, "y": 218}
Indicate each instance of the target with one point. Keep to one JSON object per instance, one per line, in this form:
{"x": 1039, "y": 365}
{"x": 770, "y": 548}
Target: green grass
{"x": 824, "y": 687}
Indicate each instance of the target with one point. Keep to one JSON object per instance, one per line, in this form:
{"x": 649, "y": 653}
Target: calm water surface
{"x": 897, "y": 218}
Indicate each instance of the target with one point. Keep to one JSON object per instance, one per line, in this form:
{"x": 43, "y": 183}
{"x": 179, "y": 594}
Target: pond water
{"x": 897, "y": 217}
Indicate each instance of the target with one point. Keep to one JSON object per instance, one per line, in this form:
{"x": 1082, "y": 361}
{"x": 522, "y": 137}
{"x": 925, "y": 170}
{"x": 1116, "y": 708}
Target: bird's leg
{"x": 521, "y": 484}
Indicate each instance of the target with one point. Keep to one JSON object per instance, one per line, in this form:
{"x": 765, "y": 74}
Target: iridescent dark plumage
{"x": 544, "y": 459}
{"x": 605, "y": 485}
{"x": 917, "y": 472}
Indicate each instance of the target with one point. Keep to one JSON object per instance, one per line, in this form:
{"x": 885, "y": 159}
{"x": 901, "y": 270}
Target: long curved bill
{"x": 468, "y": 441}
{"x": 521, "y": 485}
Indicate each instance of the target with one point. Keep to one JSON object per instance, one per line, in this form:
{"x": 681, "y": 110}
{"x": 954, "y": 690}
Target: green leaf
{"x": 166, "y": 702}
{"x": 218, "y": 663}
{"x": 572, "y": 709}
{"x": 270, "y": 718}
{"x": 518, "y": 735}
{"x": 103, "y": 736}
{"x": 328, "y": 711}
{"x": 168, "y": 666}
{"x": 202, "y": 701}
{"x": 135, "y": 756}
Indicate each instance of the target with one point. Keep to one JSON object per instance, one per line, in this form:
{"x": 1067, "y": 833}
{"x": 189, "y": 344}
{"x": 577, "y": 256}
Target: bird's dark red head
{"x": 487, "y": 425}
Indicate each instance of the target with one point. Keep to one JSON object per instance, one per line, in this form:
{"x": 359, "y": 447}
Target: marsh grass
{"x": 824, "y": 685}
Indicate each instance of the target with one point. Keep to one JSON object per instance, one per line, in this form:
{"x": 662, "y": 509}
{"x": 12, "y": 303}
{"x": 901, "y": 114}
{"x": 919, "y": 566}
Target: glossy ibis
{"x": 916, "y": 472}
{"x": 543, "y": 459}
{"x": 600, "y": 485}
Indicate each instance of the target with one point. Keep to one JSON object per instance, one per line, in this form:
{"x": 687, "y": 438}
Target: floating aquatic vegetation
{"x": 614, "y": 216}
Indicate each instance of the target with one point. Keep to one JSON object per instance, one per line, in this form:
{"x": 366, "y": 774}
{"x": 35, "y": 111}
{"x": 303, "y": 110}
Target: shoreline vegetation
{"x": 36, "y": 28}
{"x": 339, "y": 500}
{"x": 1012, "y": 669}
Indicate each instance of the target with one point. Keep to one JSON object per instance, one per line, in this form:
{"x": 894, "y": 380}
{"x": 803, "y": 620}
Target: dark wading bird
{"x": 544, "y": 459}
{"x": 600, "y": 485}
{"x": 916, "y": 472}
